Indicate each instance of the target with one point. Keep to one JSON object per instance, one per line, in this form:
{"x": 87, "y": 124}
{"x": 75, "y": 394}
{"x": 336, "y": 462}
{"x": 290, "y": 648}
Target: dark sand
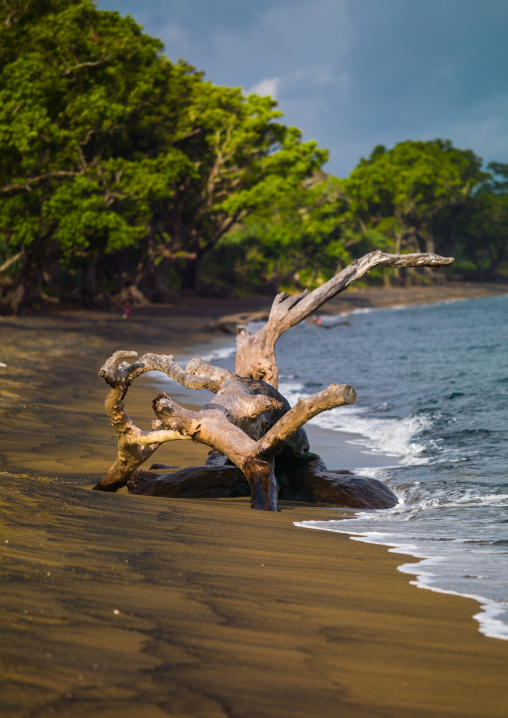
{"x": 118, "y": 605}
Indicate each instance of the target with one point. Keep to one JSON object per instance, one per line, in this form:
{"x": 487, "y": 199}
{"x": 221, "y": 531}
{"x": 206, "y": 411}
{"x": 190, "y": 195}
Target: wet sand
{"x": 118, "y": 605}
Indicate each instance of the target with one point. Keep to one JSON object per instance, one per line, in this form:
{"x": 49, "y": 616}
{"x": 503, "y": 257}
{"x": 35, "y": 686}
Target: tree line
{"x": 122, "y": 171}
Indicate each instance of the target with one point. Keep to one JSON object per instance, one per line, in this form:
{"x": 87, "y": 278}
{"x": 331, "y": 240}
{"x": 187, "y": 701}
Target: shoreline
{"x": 489, "y": 625}
{"x": 196, "y": 608}
{"x": 385, "y": 297}
{"x": 200, "y": 608}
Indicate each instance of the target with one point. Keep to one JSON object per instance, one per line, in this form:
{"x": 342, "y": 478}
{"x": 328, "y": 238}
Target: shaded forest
{"x": 126, "y": 176}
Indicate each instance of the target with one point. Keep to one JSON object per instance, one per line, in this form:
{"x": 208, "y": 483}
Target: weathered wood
{"x": 200, "y": 368}
{"x": 211, "y": 426}
{"x": 193, "y": 482}
{"x": 226, "y": 424}
{"x": 255, "y": 355}
{"x": 248, "y": 421}
{"x": 216, "y": 425}
{"x": 242, "y": 404}
{"x": 312, "y": 482}
{"x": 305, "y": 410}
{"x": 297, "y": 443}
{"x": 134, "y": 445}
{"x": 306, "y": 481}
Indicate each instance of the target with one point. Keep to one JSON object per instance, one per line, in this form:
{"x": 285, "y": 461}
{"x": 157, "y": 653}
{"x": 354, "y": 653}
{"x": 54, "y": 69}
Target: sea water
{"x": 432, "y": 386}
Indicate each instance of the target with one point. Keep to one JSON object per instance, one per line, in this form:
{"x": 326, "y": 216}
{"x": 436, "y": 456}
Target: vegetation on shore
{"x": 124, "y": 174}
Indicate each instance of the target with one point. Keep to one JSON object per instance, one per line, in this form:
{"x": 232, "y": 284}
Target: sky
{"x": 352, "y": 74}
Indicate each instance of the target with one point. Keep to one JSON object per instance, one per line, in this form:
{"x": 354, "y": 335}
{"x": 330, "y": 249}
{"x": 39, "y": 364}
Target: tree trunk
{"x": 17, "y": 293}
{"x": 256, "y": 352}
{"x": 213, "y": 425}
{"x": 306, "y": 480}
{"x": 248, "y": 421}
{"x": 190, "y": 273}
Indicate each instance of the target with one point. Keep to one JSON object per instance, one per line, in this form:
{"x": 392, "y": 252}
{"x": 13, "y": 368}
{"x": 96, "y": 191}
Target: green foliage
{"x": 483, "y": 229}
{"x": 306, "y": 235}
{"x": 417, "y": 196}
{"x": 498, "y": 180}
{"x": 74, "y": 83}
{"x": 106, "y": 145}
{"x": 118, "y": 167}
{"x": 413, "y": 192}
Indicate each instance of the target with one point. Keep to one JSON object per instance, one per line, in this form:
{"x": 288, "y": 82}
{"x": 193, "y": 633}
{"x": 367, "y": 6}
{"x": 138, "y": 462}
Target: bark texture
{"x": 218, "y": 425}
{"x": 258, "y": 441}
{"x": 307, "y": 481}
{"x": 134, "y": 445}
{"x": 255, "y": 355}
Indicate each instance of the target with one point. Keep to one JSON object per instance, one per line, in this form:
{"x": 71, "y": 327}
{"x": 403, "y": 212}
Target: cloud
{"x": 353, "y": 73}
{"x": 485, "y": 130}
{"x": 265, "y": 87}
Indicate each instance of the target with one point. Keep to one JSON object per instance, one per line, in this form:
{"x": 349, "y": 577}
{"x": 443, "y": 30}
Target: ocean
{"x": 431, "y": 421}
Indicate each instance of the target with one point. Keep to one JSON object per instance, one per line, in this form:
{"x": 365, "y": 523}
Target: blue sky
{"x": 352, "y": 73}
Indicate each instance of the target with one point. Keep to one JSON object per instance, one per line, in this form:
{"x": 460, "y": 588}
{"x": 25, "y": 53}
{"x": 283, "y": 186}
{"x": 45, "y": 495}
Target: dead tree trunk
{"x": 255, "y": 356}
{"x": 216, "y": 426}
{"x": 248, "y": 422}
{"x": 134, "y": 445}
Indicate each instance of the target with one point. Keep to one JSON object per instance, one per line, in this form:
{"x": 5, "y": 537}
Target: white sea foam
{"x": 451, "y": 514}
{"x": 392, "y": 437}
{"x": 470, "y": 499}
{"x": 221, "y": 353}
{"x": 292, "y": 390}
{"x": 364, "y": 310}
{"x": 489, "y": 623}
{"x": 370, "y": 310}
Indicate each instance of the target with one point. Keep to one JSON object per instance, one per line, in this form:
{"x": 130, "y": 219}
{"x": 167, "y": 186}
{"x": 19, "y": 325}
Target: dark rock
{"x": 306, "y": 480}
{"x": 194, "y": 482}
{"x": 312, "y": 482}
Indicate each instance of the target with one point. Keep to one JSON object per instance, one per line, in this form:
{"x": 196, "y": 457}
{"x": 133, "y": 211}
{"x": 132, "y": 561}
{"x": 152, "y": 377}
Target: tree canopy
{"x": 417, "y": 196}
{"x": 483, "y": 228}
{"x": 120, "y": 168}
{"x": 106, "y": 145}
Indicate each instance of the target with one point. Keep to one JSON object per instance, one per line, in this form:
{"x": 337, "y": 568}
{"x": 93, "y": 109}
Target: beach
{"x": 123, "y": 605}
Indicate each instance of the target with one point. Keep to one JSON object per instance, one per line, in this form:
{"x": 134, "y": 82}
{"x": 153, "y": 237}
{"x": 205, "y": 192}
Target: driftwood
{"x": 258, "y": 440}
{"x": 256, "y": 352}
{"x": 307, "y": 480}
{"x": 226, "y": 424}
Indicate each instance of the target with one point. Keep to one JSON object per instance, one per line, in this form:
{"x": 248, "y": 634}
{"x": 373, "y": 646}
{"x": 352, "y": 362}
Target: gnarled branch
{"x": 213, "y": 426}
{"x": 305, "y": 410}
{"x": 256, "y": 352}
{"x": 134, "y": 445}
{"x": 27, "y": 184}
{"x": 248, "y": 421}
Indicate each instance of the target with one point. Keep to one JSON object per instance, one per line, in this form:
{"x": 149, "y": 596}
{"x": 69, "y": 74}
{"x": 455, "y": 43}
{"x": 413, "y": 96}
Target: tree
{"x": 248, "y": 424}
{"x": 105, "y": 145}
{"x": 300, "y": 239}
{"x": 299, "y": 233}
{"x": 78, "y": 87}
{"x": 412, "y": 192}
{"x": 243, "y": 161}
{"x": 409, "y": 198}
{"x": 484, "y": 228}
